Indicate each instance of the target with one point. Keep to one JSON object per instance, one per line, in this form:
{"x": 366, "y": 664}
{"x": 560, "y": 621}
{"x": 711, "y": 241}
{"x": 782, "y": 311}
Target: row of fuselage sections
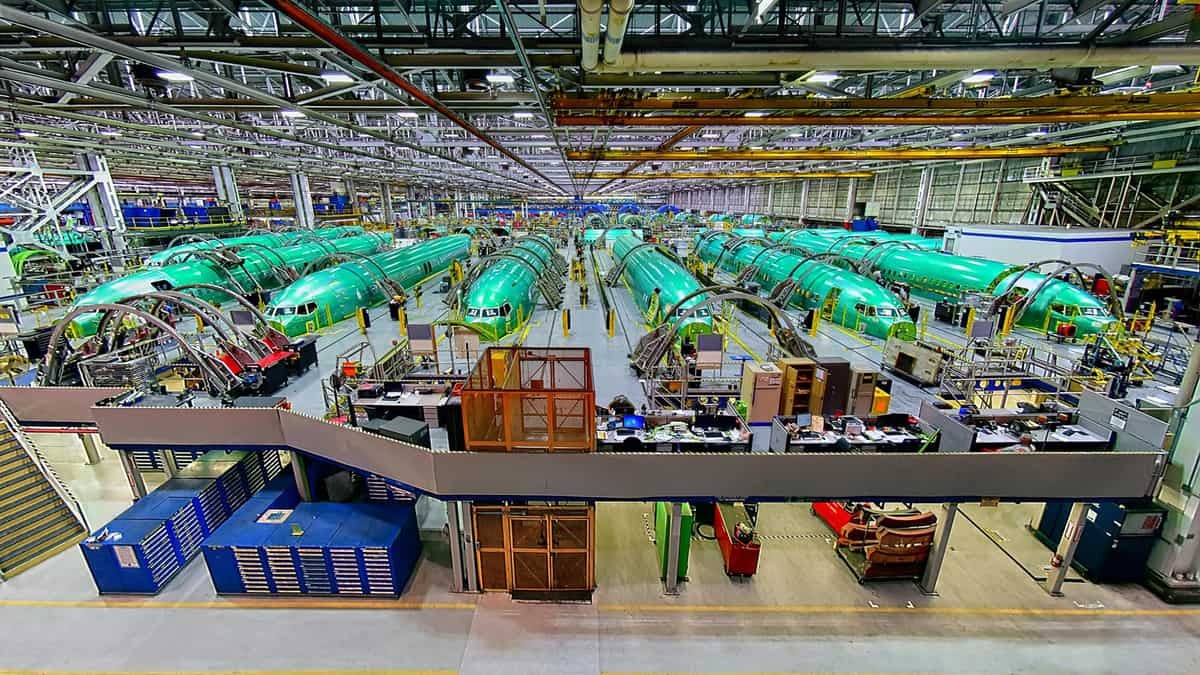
{"x": 504, "y": 295}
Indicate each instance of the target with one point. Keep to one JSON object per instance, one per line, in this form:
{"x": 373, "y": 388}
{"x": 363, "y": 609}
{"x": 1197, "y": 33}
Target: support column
{"x": 456, "y": 548}
{"x": 102, "y": 201}
{"x": 302, "y": 197}
{"x": 468, "y": 530}
{"x": 1065, "y": 553}
{"x": 227, "y": 192}
{"x": 385, "y": 199}
{"x": 136, "y": 485}
{"x": 746, "y": 199}
{"x": 851, "y": 199}
{"x": 924, "y": 192}
{"x": 672, "y": 580}
{"x": 933, "y": 567}
{"x": 408, "y": 202}
{"x": 167, "y": 458}
{"x": 351, "y": 192}
{"x": 803, "y": 209}
{"x": 770, "y": 198}
{"x": 300, "y": 472}
{"x": 90, "y": 454}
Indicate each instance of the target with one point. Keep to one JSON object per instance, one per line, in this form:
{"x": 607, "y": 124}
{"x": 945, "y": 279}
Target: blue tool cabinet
{"x": 314, "y": 548}
{"x": 140, "y": 550}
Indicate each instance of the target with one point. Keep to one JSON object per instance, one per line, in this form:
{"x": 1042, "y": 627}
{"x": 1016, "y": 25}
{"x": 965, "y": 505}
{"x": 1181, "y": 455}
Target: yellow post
{"x": 566, "y": 322}
{"x": 924, "y": 322}
{"x": 329, "y": 315}
{"x": 402, "y": 320}
{"x": 612, "y": 323}
{"x": 970, "y": 321}
{"x": 417, "y": 290}
{"x": 199, "y": 324}
{"x": 816, "y": 321}
{"x": 360, "y": 315}
{"x": 1046, "y": 323}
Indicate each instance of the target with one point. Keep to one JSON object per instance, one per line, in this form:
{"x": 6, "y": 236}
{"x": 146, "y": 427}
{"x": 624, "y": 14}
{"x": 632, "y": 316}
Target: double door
{"x": 535, "y": 548}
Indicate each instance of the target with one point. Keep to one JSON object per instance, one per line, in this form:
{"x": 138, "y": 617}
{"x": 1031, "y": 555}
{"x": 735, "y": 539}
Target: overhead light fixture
{"x": 111, "y": 133}
{"x": 173, "y": 76}
{"x": 407, "y": 113}
{"x": 1037, "y": 133}
{"x": 710, "y": 135}
{"x": 957, "y": 134}
{"x": 258, "y": 155}
{"x": 197, "y": 134}
{"x": 500, "y": 78}
{"x": 796, "y": 135}
{"x": 334, "y": 77}
{"x": 27, "y": 134}
{"x": 980, "y": 77}
{"x": 294, "y": 114}
{"x": 194, "y": 146}
{"x": 823, "y": 78}
{"x": 757, "y": 113}
{"x": 522, "y": 115}
{"x": 756, "y": 147}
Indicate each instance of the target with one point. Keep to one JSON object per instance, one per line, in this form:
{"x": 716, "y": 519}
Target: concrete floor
{"x": 802, "y": 612}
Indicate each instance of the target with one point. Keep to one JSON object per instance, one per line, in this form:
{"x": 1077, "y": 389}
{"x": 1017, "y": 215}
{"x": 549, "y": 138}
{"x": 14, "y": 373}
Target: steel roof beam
{"x": 828, "y": 154}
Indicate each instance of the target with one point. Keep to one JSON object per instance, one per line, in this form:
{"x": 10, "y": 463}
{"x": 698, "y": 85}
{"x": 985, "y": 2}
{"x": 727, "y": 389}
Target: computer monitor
{"x": 633, "y": 422}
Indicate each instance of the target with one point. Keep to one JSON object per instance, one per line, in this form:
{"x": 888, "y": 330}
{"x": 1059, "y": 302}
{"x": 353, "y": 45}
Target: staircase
{"x": 38, "y": 516}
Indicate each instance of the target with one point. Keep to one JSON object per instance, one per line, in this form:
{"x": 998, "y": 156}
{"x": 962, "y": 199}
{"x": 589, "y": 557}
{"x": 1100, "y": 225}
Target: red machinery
{"x": 741, "y": 557}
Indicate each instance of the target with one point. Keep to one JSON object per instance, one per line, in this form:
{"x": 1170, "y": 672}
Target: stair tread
{"x": 56, "y": 543}
{"x": 28, "y": 527}
{"x": 28, "y": 491}
{"x": 13, "y": 518}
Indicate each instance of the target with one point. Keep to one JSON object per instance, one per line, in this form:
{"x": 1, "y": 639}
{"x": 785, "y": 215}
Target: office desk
{"x": 1066, "y": 438}
{"x": 422, "y": 407}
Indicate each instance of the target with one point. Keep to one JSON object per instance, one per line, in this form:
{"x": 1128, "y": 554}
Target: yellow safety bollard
{"x": 970, "y": 321}
{"x": 566, "y": 322}
{"x": 924, "y": 322}
{"x": 816, "y": 321}
{"x": 329, "y": 314}
{"x": 199, "y": 324}
{"x": 360, "y": 315}
{"x": 402, "y": 320}
{"x": 417, "y": 291}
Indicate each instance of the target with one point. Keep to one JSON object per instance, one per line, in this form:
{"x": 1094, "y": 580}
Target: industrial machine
{"x": 1116, "y": 539}
{"x": 920, "y": 361}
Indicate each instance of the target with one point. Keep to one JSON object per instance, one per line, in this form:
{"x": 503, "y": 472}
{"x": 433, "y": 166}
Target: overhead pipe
{"x": 618, "y": 23}
{"x": 335, "y": 39}
{"x": 691, "y": 103}
{"x": 958, "y": 58}
{"x": 906, "y": 120}
{"x": 832, "y": 154}
{"x": 589, "y": 32}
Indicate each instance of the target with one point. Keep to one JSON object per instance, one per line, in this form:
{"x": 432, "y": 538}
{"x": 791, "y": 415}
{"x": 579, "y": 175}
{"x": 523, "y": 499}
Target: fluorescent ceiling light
{"x": 500, "y": 78}
{"x": 110, "y": 133}
{"x": 979, "y": 77}
{"x": 172, "y": 76}
{"x": 1037, "y": 133}
{"x": 257, "y": 154}
{"x": 764, "y": 6}
{"x": 523, "y": 115}
{"x": 407, "y": 113}
{"x": 334, "y": 77}
{"x": 198, "y": 134}
{"x": 796, "y": 135}
{"x": 757, "y": 113}
{"x": 756, "y": 147}
{"x": 291, "y": 113}
{"x": 28, "y": 134}
{"x": 822, "y": 78}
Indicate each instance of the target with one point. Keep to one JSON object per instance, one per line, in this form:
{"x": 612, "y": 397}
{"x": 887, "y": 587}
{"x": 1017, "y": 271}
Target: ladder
{"x": 39, "y": 516}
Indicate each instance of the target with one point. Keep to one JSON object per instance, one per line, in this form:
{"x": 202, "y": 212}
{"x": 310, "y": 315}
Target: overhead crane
{"x": 902, "y": 153}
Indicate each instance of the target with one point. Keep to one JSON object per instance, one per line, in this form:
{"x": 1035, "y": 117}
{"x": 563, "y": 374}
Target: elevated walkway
{"x": 950, "y": 477}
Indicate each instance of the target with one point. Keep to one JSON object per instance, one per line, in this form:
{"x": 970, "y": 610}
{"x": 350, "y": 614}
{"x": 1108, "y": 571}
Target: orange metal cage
{"x": 520, "y": 399}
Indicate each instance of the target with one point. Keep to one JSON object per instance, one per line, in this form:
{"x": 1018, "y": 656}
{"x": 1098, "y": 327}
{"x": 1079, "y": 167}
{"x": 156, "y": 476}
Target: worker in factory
{"x": 1025, "y": 444}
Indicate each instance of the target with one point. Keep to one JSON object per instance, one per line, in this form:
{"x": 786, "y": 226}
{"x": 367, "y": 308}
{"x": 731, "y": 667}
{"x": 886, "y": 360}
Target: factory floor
{"x": 803, "y": 612}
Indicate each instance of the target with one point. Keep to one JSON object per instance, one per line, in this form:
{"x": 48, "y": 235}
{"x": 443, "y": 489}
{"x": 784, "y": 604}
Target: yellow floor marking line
{"x": 239, "y": 603}
{"x": 323, "y": 671}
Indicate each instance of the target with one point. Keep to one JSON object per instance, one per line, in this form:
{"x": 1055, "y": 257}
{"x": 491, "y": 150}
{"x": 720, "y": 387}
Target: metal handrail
{"x": 43, "y": 465}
